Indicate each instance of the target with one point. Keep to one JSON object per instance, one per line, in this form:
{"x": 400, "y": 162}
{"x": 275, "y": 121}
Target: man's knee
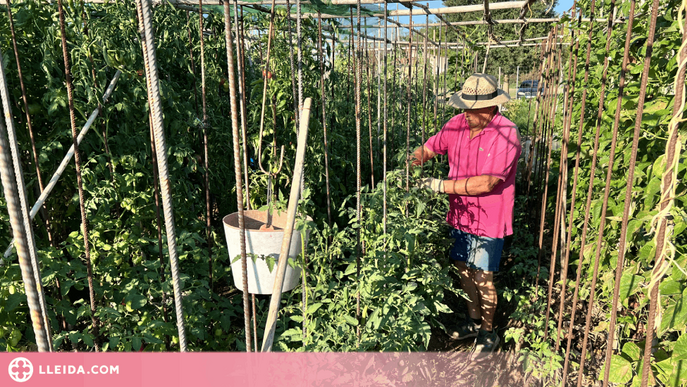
{"x": 484, "y": 279}
{"x": 464, "y": 270}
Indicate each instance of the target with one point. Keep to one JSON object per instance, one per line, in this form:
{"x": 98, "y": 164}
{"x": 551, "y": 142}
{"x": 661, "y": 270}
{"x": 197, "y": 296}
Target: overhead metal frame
{"x": 421, "y": 10}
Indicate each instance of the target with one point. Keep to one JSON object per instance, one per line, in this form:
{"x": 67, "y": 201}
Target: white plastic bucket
{"x": 261, "y": 244}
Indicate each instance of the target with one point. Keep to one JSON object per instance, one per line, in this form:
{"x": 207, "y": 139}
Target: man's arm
{"x": 421, "y": 154}
{"x": 472, "y": 186}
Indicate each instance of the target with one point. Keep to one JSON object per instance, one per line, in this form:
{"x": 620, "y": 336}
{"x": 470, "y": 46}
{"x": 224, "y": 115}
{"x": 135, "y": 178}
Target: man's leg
{"x": 487, "y": 297}
{"x": 460, "y": 254}
{"x": 467, "y": 282}
{"x": 487, "y": 260}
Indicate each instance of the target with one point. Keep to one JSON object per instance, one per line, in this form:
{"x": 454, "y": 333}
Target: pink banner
{"x": 256, "y": 369}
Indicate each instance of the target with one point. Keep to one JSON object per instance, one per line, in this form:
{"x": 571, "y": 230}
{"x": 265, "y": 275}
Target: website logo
{"x": 20, "y": 369}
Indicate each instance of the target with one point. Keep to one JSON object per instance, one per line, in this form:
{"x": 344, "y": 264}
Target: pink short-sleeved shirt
{"x": 494, "y": 151}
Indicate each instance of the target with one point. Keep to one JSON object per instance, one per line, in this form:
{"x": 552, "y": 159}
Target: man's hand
{"x": 435, "y": 185}
{"x": 420, "y": 155}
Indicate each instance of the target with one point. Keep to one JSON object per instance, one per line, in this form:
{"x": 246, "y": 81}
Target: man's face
{"x": 479, "y": 118}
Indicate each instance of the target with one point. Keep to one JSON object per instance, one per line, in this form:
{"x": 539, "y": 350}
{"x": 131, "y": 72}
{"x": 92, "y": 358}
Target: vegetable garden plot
{"x": 131, "y": 282}
{"x": 376, "y": 271}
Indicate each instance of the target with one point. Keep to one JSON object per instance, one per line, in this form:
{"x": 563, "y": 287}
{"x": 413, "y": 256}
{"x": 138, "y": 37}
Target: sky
{"x": 563, "y": 5}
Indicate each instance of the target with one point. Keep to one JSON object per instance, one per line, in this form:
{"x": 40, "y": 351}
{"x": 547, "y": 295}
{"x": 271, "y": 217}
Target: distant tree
{"x": 508, "y": 59}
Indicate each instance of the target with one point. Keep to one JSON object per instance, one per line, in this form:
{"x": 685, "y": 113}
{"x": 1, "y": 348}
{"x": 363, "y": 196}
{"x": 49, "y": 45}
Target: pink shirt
{"x": 494, "y": 151}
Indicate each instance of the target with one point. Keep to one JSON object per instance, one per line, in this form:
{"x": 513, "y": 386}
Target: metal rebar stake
{"x": 148, "y": 45}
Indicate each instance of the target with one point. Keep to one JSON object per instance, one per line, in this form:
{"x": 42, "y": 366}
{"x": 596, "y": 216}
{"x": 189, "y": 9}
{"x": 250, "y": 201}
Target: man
{"x": 483, "y": 148}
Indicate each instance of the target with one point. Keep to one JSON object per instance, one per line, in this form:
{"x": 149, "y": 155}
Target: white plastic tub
{"x": 260, "y": 244}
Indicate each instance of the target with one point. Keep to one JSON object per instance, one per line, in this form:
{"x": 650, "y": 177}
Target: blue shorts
{"x": 478, "y": 252}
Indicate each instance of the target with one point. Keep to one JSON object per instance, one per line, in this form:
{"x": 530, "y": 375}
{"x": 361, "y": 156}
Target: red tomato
{"x": 267, "y": 74}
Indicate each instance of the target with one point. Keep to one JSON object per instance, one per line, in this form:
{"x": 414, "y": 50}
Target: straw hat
{"x": 479, "y": 91}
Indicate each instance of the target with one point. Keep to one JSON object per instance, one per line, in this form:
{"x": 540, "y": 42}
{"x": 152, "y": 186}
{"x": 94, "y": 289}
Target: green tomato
{"x": 14, "y": 338}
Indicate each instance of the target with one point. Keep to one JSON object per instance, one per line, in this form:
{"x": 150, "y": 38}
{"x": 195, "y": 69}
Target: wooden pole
{"x": 271, "y": 324}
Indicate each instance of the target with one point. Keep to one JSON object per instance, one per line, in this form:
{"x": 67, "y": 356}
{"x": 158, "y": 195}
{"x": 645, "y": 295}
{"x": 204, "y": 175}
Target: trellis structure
{"x": 551, "y": 104}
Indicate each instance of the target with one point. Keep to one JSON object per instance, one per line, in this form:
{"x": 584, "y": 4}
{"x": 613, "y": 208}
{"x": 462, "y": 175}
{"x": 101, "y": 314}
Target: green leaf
{"x": 136, "y": 343}
{"x": 135, "y": 300}
{"x": 351, "y": 320}
{"x": 270, "y": 261}
{"x": 632, "y": 351}
{"x": 350, "y": 269}
{"x": 629, "y": 284}
{"x": 648, "y": 252}
{"x": 441, "y": 307}
{"x": 314, "y": 307}
{"x": 13, "y": 301}
{"x": 679, "y": 375}
{"x": 74, "y": 337}
{"x": 294, "y": 333}
{"x": 151, "y": 339}
{"x": 88, "y": 339}
{"x": 375, "y": 320}
{"x": 114, "y": 341}
{"x": 621, "y": 370}
{"x": 675, "y": 315}
{"x": 669, "y": 287}
{"x": 680, "y": 348}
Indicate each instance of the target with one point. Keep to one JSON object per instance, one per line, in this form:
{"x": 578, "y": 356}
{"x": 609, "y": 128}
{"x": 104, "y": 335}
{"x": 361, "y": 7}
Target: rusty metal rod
{"x": 436, "y": 85}
{"x": 23, "y": 200}
{"x": 628, "y": 197}
{"x": 237, "y": 170}
{"x": 193, "y": 63}
{"x": 324, "y": 118}
{"x": 29, "y": 125}
{"x": 530, "y": 161}
{"x": 293, "y": 66}
{"x": 409, "y": 101}
{"x": 77, "y": 162}
{"x": 585, "y": 84}
{"x": 602, "y": 219}
{"x": 358, "y": 208}
{"x": 158, "y": 221}
{"x": 384, "y": 150}
{"x": 369, "y": 114}
{"x": 150, "y": 61}
{"x": 10, "y": 182}
{"x": 568, "y": 105}
{"x": 653, "y": 293}
{"x": 240, "y": 64}
{"x": 575, "y": 181}
{"x": 424, "y": 91}
{"x": 206, "y": 153}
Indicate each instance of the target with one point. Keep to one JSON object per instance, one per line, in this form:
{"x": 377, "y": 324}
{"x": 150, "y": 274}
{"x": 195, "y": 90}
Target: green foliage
{"x": 633, "y": 303}
{"x": 401, "y": 279}
{"x": 132, "y": 281}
